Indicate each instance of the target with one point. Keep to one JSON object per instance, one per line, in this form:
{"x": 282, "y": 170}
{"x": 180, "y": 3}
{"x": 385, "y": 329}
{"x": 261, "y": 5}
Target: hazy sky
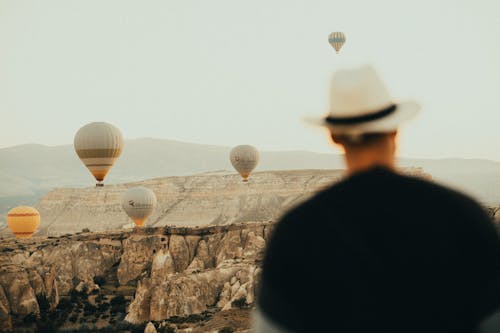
{"x": 230, "y": 72}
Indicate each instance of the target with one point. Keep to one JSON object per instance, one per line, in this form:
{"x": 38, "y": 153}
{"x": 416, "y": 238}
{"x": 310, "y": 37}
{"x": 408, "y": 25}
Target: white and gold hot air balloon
{"x": 98, "y": 145}
{"x": 23, "y": 221}
{"x": 244, "y": 159}
{"x": 336, "y": 40}
{"x": 139, "y": 203}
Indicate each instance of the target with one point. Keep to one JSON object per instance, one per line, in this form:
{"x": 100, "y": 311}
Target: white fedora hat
{"x": 360, "y": 103}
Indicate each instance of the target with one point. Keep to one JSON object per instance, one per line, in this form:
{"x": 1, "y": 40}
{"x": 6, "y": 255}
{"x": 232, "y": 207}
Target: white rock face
{"x": 208, "y": 199}
{"x": 200, "y": 200}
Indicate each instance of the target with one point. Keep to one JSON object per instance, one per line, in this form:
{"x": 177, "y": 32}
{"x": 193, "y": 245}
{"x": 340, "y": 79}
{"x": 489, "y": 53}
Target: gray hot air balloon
{"x": 336, "y": 40}
{"x": 244, "y": 159}
{"x": 139, "y": 203}
{"x": 98, "y": 145}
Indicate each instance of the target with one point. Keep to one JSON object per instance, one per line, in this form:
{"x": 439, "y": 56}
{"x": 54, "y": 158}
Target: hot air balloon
{"x": 139, "y": 202}
{"x": 98, "y": 145}
{"x": 244, "y": 159}
{"x": 23, "y": 221}
{"x": 336, "y": 40}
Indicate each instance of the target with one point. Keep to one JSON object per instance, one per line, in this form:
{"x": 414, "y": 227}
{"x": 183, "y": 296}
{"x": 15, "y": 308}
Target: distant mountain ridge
{"x": 29, "y": 171}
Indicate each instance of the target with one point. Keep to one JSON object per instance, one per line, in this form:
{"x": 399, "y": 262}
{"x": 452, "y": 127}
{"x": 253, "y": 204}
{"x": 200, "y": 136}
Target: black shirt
{"x": 382, "y": 252}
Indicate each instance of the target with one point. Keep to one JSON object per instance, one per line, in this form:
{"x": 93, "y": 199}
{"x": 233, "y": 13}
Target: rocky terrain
{"x": 179, "y": 279}
{"x": 206, "y": 199}
{"x": 198, "y": 276}
{"x": 163, "y": 279}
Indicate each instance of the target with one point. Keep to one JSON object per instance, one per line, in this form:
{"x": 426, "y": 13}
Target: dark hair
{"x": 365, "y": 139}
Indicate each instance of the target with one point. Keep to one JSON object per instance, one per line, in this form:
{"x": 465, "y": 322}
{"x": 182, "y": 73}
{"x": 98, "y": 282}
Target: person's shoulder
{"x": 393, "y": 184}
{"x": 441, "y": 194}
{"x": 302, "y": 212}
{"x": 434, "y": 186}
{"x": 326, "y": 197}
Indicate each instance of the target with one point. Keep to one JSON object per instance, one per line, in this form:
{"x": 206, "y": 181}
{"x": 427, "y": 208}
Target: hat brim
{"x": 404, "y": 112}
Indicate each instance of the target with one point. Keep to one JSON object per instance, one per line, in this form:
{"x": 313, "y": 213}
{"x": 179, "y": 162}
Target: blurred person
{"x": 379, "y": 251}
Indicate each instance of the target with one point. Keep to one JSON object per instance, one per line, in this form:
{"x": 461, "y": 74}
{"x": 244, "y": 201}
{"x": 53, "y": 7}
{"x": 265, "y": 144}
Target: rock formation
{"x": 150, "y": 328}
{"x": 200, "y": 200}
{"x": 154, "y": 274}
{"x": 200, "y": 275}
{"x": 183, "y": 201}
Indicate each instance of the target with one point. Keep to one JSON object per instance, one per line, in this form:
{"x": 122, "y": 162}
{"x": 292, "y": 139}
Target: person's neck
{"x": 364, "y": 160}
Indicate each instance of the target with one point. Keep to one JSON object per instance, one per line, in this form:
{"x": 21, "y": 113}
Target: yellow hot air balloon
{"x": 139, "y": 203}
{"x": 244, "y": 159}
{"x": 23, "y": 221}
{"x": 336, "y": 40}
{"x": 98, "y": 145}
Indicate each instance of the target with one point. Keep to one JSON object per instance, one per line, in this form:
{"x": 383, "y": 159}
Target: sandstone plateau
{"x": 199, "y": 200}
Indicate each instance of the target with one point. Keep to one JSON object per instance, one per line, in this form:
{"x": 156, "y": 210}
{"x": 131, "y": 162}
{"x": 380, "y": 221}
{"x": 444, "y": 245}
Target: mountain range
{"x": 29, "y": 171}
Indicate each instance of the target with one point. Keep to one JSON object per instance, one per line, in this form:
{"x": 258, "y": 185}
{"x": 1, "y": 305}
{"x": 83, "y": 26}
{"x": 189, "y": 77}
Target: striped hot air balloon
{"x": 98, "y": 145}
{"x": 23, "y": 221}
{"x": 139, "y": 202}
{"x": 244, "y": 159}
{"x": 336, "y": 40}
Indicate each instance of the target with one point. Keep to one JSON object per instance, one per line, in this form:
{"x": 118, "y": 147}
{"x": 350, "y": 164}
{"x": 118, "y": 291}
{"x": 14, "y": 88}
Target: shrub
{"x": 100, "y": 280}
{"x": 226, "y": 330}
{"x": 30, "y": 318}
{"x": 47, "y": 327}
{"x": 100, "y": 298}
{"x": 103, "y": 306}
{"x": 24, "y": 330}
{"x": 118, "y": 300}
{"x": 118, "y": 304}
{"x": 65, "y": 304}
{"x": 239, "y": 303}
{"x": 73, "y": 293}
{"x": 170, "y": 329}
{"x": 43, "y": 303}
{"x": 89, "y": 309}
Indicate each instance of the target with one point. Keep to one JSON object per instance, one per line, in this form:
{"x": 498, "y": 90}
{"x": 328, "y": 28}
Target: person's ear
{"x": 338, "y": 142}
{"x": 335, "y": 138}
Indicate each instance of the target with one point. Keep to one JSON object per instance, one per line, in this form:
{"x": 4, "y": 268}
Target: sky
{"x": 229, "y": 72}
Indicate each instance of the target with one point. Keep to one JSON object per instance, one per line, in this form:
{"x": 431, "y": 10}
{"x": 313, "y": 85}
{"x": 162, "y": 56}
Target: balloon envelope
{"x": 23, "y": 221}
{"x": 244, "y": 159}
{"x": 98, "y": 145}
{"x": 336, "y": 40}
{"x": 139, "y": 203}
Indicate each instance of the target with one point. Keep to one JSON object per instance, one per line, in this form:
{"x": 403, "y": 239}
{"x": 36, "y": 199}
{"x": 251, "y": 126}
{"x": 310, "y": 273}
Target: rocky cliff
{"x": 206, "y": 199}
{"x": 178, "y": 278}
{"x": 196, "y": 278}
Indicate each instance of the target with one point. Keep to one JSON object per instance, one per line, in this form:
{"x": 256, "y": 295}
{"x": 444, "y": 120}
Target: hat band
{"x": 361, "y": 119}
